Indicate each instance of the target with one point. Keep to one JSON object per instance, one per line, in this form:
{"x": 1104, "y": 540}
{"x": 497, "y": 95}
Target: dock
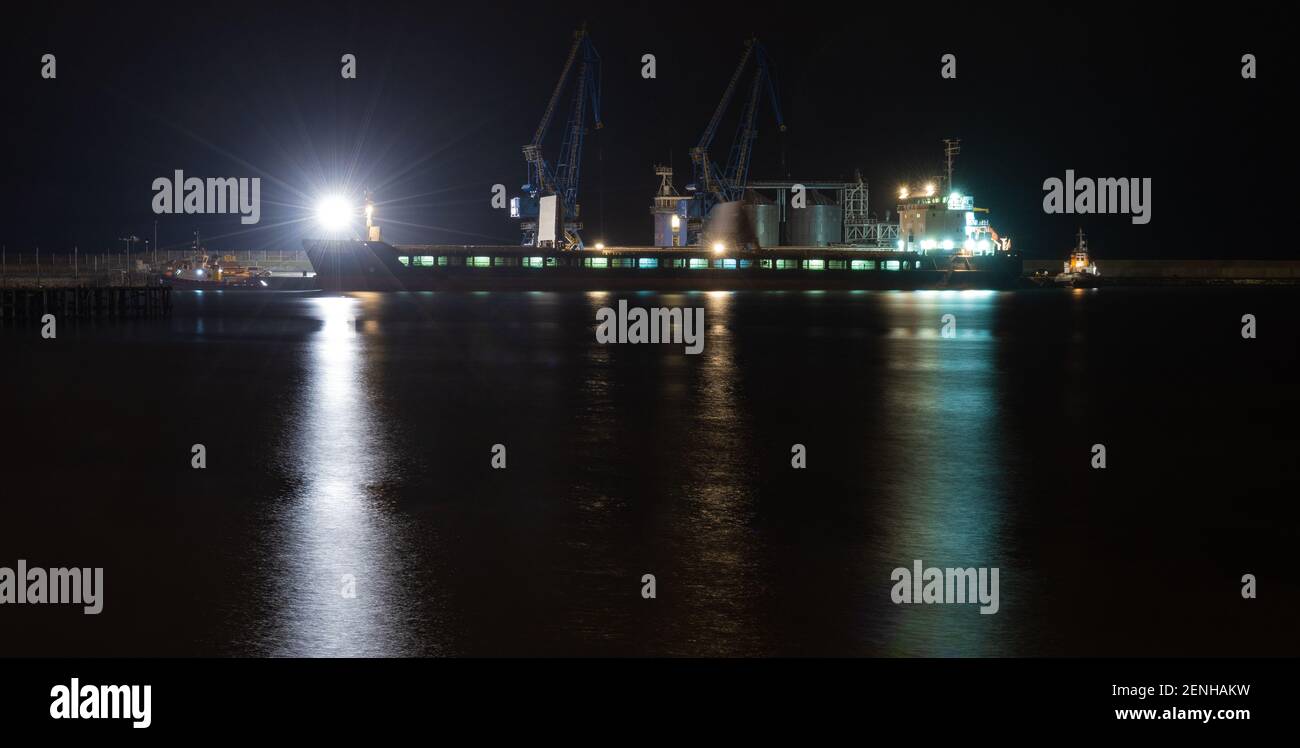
{"x": 79, "y": 302}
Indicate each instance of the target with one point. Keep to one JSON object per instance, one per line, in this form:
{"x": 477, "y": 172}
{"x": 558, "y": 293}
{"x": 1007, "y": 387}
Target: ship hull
{"x": 190, "y": 284}
{"x": 375, "y": 266}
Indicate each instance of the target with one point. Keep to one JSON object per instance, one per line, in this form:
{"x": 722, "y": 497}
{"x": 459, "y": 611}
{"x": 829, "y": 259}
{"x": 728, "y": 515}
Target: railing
{"x": 28, "y": 268}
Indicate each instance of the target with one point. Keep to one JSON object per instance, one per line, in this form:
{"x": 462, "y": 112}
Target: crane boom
{"x": 705, "y": 171}
{"x": 742, "y": 148}
{"x": 562, "y": 179}
{"x": 713, "y": 184}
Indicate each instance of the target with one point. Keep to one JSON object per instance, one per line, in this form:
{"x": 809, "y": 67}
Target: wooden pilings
{"x": 84, "y": 303}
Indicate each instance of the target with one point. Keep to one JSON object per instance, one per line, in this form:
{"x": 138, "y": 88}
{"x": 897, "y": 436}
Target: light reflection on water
{"x": 336, "y": 525}
{"x": 947, "y": 507}
{"x": 714, "y": 501}
{"x": 700, "y": 526}
{"x": 350, "y": 435}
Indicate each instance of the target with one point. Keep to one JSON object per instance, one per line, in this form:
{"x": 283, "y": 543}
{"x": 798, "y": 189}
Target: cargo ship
{"x": 942, "y": 240}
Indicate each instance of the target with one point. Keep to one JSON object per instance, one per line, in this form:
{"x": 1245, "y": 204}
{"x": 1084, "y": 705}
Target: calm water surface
{"x": 352, "y": 435}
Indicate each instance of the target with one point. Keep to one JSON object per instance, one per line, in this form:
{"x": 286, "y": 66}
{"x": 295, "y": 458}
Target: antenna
{"x": 951, "y": 147}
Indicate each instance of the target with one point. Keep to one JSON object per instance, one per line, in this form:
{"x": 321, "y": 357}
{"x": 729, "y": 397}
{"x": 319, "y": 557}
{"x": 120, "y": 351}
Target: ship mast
{"x": 951, "y": 147}
{"x": 372, "y": 229}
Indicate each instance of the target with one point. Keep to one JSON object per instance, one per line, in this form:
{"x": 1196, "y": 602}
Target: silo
{"x": 818, "y": 224}
{"x": 729, "y": 224}
{"x": 765, "y": 216}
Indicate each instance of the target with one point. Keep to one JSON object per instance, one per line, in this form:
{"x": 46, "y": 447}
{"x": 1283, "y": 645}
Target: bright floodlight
{"x": 719, "y": 247}
{"x": 334, "y": 213}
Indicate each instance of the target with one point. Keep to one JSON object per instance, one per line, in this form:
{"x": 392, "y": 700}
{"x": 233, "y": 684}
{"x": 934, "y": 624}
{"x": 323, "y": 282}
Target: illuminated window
{"x": 678, "y": 262}
{"x": 478, "y": 262}
{"x": 727, "y": 263}
{"x": 648, "y": 262}
{"x": 835, "y": 264}
{"x": 746, "y": 263}
{"x": 786, "y": 264}
{"x": 442, "y": 261}
{"x": 404, "y": 260}
{"x": 623, "y": 262}
{"x": 814, "y": 264}
{"x": 503, "y": 261}
{"x": 891, "y": 264}
{"x": 595, "y": 262}
{"x": 422, "y": 261}
{"x": 550, "y": 262}
{"x": 533, "y": 262}
{"x": 698, "y": 262}
{"x": 862, "y": 265}
{"x": 765, "y": 263}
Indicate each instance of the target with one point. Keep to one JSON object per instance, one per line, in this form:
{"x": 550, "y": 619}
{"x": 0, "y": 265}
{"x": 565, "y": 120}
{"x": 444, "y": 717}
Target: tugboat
{"x": 1079, "y": 271}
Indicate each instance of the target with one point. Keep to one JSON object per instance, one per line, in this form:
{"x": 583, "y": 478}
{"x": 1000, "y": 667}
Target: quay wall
{"x": 1188, "y": 269}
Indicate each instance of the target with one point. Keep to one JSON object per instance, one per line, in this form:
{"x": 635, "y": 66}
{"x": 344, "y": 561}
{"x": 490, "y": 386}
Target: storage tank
{"x": 729, "y": 223}
{"x": 818, "y": 224}
{"x": 765, "y": 217}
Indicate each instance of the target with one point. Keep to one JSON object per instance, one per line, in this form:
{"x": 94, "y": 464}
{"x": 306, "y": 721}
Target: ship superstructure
{"x": 934, "y": 217}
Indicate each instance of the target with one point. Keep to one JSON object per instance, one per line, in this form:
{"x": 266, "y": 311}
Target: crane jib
{"x": 717, "y": 184}
{"x": 562, "y": 179}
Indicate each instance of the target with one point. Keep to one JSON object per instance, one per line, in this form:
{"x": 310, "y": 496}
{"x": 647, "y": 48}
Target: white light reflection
{"x": 337, "y": 522}
{"x": 946, "y": 457}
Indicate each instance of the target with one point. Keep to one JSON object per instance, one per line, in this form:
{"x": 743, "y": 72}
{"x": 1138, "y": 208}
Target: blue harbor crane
{"x": 713, "y": 184}
{"x": 560, "y": 179}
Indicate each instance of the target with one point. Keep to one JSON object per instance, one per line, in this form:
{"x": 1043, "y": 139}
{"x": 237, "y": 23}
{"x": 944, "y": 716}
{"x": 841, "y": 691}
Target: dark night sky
{"x": 447, "y": 95}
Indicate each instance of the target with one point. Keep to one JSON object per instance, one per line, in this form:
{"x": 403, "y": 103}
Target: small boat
{"x": 1079, "y": 271}
{"x": 201, "y": 271}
